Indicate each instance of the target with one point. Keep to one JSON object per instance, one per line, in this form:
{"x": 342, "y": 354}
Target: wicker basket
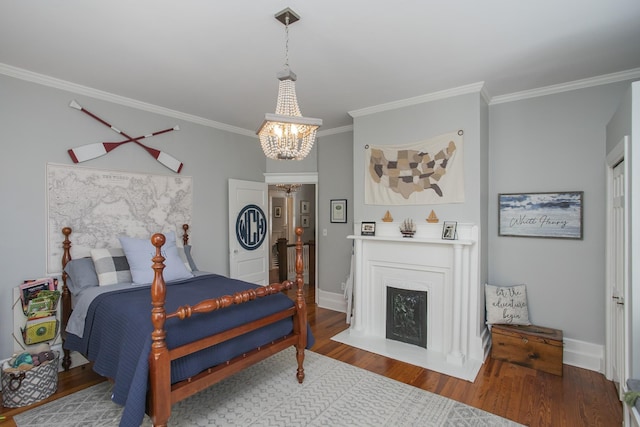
{"x": 28, "y": 387}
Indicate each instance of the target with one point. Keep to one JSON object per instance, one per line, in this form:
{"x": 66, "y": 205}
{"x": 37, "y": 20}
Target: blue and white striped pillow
{"x": 111, "y": 266}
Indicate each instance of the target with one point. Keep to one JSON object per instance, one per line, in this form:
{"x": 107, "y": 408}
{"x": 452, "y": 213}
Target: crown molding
{"x": 565, "y": 87}
{"x": 461, "y": 90}
{"x": 334, "y": 131}
{"x": 479, "y": 87}
{"x": 53, "y": 82}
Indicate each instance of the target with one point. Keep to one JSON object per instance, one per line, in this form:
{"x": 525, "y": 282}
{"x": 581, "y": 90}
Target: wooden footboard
{"x": 162, "y": 393}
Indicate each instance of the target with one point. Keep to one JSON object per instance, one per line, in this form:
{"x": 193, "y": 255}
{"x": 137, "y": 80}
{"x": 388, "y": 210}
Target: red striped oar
{"x": 96, "y": 150}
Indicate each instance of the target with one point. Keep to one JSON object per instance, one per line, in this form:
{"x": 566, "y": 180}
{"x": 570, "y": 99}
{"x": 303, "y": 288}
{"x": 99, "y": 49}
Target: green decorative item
{"x": 630, "y": 397}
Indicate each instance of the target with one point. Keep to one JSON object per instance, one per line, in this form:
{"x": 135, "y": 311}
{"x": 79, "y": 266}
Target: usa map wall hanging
{"x": 97, "y": 149}
{"x": 422, "y": 173}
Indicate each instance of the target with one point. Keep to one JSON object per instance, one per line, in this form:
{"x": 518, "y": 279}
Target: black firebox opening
{"x": 407, "y": 316}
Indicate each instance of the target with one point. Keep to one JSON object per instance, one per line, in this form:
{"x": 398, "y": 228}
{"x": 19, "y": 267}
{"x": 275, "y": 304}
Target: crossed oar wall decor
{"x": 97, "y": 149}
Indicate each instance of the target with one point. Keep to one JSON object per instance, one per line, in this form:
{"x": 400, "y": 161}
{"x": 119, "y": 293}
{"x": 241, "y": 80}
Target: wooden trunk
{"x": 536, "y": 347}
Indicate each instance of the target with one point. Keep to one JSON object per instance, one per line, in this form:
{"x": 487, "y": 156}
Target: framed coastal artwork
{"x": 553, "y": 215}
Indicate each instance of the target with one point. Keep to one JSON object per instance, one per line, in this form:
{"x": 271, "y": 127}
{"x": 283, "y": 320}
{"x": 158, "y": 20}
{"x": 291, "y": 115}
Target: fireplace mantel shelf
{"x": 463, "y": 242}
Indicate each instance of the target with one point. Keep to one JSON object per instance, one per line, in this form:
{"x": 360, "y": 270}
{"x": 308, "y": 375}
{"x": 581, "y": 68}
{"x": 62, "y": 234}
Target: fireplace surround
{"x": 447, "y": 270}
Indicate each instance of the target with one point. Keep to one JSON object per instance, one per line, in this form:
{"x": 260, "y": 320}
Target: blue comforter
{"x": 117, "y": 334}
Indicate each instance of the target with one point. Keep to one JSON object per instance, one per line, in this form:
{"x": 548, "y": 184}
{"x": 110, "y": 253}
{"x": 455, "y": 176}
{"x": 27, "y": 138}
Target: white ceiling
{"x": 218, "y": 59}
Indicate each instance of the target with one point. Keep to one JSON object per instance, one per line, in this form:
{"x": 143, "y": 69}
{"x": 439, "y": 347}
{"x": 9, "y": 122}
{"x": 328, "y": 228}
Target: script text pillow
{"x": 507, "y": 304}
{"x": 139, "y": 253}
{"x": 111, "y": 266}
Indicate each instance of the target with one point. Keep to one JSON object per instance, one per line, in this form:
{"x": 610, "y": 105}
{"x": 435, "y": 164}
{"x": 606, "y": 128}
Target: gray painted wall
{"x": 413, "y": 124}
{"x": 620, "y": 123}
{"x": 38, "y": 127}
{"x": 335, "y": 181}
{"x": 554, "y": 143}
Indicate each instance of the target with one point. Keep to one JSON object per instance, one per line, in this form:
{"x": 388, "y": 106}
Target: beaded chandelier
{"x": 288, "y": 189}
{"x": 287, "y": 135}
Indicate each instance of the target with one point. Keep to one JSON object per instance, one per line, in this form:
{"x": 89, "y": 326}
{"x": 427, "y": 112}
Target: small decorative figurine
{"x": 387, "y": 217}
{"x": 408, "y": 228}
{"x": 432, "y": 218}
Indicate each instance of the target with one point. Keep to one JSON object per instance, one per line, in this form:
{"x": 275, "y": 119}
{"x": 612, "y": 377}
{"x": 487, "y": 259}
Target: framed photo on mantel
{"x": 450, "y": 230}
{"x": 368, "y": 228}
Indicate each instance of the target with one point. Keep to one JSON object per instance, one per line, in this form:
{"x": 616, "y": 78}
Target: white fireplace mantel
{"x": 448, "y": 270}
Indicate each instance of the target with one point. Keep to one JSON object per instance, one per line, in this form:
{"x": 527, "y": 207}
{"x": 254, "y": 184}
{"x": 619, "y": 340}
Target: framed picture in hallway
{"x": 305, "y": 207}
{"x": 339, "y": 210}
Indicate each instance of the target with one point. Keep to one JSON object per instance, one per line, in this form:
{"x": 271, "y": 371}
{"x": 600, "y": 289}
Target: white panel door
{"x": 618, "y": 279}
{"x": 248, "y": 229}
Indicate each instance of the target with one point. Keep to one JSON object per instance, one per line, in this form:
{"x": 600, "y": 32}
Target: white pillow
{"x": 507, "y": 305}
{"x": 139, "y": 253}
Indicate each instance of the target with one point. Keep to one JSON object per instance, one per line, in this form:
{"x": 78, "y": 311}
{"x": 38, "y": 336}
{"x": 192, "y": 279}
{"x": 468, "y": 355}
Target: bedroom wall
{"x": 554, "y": 143}
{"x": 335, "y": 176}
{"x": 413, "y": 124}
{"x": 38, "y": 127}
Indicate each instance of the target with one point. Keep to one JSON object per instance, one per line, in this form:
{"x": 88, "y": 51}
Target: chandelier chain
{"x": 286, "y": 44}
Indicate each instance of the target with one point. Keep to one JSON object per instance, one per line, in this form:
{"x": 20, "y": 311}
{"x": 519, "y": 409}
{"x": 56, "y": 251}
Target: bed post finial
{"x": 159, "y": 361}
{"x": 158, "y": 292}
{"x": 300, "y": 319}
{"x": 185, "y": 235}
{"x": 66, "y": 295}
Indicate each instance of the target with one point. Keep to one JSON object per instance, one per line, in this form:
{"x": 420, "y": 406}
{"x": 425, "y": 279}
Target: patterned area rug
{"x": 268, "y": 394}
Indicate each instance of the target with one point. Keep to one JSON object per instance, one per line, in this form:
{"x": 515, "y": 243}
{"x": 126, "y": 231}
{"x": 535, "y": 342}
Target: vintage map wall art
{"x": 100, "y": 205}
{"x": 557, "y": 215}
{"x": 426, "y": 172}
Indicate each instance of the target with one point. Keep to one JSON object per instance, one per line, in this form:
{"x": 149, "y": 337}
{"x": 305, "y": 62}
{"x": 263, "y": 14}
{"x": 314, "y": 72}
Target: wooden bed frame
{"x": 162, "y": 394}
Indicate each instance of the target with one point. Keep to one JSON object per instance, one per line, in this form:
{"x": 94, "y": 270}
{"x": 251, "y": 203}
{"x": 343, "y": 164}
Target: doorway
{"x": 293, "y": 203}
{"x": 617, "y": 265}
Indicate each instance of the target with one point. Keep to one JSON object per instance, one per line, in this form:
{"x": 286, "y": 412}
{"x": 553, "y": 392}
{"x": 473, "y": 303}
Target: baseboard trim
{"x": 583, "y": 355}
{"x": 332, "y": 301}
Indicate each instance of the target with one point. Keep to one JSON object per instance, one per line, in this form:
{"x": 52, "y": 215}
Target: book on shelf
{"x": 40, "y": 329}
{"x": 39, "y": 295}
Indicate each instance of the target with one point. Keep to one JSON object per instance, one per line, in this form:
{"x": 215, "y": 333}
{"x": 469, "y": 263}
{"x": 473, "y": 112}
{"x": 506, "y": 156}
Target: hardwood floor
{"x": 579, "y": 398}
